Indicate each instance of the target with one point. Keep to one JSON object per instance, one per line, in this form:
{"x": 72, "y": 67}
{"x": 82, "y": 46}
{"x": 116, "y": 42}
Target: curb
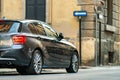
{"x": 84, "y": 67}
{"x": 7, "y": 71}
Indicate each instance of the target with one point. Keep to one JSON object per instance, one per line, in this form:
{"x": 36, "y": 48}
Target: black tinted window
{"x": 9, "y": 27}
{"x": 50, "y": 32}
{"x": 39, "y": 28}
{"x": 32, "y": 29}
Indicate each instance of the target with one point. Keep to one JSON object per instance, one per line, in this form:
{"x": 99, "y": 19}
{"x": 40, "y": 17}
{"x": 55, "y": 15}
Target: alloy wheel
{"x": 37, "y": 62}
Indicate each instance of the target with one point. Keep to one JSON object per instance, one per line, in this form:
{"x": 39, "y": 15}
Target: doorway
{"x": 36, "y": 9}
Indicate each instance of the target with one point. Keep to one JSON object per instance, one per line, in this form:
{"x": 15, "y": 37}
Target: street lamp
{"x": 99, "y": 14}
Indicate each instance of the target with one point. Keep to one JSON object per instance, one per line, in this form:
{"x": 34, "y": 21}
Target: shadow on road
{"x": 14, "y": 73}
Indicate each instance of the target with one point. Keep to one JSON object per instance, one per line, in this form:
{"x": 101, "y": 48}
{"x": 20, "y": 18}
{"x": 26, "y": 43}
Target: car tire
{"x": 36, "y": 63}
{"x": 74, "y": 65}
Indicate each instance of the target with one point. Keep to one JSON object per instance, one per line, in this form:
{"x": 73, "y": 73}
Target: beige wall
{"x": 12, "y": 9}
{"x": 88, "y": 50}
{"x": 62, "y": 18}
{"x": 60, "y": 14}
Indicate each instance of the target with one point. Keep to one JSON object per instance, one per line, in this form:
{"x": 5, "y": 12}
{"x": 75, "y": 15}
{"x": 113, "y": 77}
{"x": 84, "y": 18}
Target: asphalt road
{"x": 97, "y": 73}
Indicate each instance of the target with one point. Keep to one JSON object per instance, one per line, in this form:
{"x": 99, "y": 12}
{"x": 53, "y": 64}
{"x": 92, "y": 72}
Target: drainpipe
{"x": 96, "y": 59}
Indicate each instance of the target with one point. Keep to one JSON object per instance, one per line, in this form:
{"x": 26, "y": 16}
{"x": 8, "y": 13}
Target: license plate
{"x": 5, "y": 43}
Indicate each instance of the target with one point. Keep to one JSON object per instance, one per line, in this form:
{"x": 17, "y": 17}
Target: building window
{"x": 109, "y": 12}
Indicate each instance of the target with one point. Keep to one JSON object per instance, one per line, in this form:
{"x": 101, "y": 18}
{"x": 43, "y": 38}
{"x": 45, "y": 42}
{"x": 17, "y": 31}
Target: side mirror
{"x": 60, "y": 36}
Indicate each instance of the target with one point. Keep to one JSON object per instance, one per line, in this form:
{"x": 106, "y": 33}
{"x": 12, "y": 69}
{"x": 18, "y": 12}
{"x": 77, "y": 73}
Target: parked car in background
{"x": 31, "y": 45}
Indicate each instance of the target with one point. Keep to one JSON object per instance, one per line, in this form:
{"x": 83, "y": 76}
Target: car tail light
{"x": 19, "y": 39}
{"x": 1, "y": 20}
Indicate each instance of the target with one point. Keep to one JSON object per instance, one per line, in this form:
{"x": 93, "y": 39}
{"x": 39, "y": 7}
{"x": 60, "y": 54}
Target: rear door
{"x": 49, "y": 45}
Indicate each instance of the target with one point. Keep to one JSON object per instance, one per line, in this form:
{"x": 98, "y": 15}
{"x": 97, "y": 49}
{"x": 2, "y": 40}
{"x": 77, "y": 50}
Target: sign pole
{"x": 80, "y": 40}
{"x": 80, "y": 14}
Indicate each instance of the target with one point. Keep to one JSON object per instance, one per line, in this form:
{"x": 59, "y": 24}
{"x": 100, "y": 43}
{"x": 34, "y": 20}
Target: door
{"x": 56, "y": 49}
{"x": 36, "y": 9}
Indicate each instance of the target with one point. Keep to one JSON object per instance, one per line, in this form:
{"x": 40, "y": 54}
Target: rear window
{"x": 9, "y": 27}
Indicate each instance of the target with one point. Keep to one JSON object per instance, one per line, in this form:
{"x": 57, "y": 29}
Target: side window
{"x": 39, "y": 28}
{"x": 32, "y": 29}
{"x": 50, "y": 32}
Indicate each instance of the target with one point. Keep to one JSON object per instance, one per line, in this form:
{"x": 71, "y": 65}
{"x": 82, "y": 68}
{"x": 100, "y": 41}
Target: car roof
{"x": 24, "y": 21}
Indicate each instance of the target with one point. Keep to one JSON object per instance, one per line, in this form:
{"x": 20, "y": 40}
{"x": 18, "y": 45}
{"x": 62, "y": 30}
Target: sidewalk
{"x": 99, "y": 67}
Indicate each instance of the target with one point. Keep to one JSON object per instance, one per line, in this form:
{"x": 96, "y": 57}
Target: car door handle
{"x": 54, "y": 41}
{"x": 38, "y": 38}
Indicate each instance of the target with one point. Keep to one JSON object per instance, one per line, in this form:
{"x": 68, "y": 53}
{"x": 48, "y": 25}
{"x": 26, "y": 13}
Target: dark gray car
{"x": 30, "y": 45}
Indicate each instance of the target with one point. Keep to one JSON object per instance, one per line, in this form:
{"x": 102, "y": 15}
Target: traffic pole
{"x": 80, "y": 41}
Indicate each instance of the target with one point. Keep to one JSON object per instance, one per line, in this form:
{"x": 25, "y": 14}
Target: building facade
{"x": 59, "y": 14}
{"x": 105, "y": 31}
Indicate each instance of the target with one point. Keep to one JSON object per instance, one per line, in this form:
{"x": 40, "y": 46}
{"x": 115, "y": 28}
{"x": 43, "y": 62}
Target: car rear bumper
{"x": 14, "y": 57}
{"x": 7, "y": 62}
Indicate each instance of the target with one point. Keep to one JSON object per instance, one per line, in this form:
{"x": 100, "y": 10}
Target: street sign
{"x": 80, "y": 13}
